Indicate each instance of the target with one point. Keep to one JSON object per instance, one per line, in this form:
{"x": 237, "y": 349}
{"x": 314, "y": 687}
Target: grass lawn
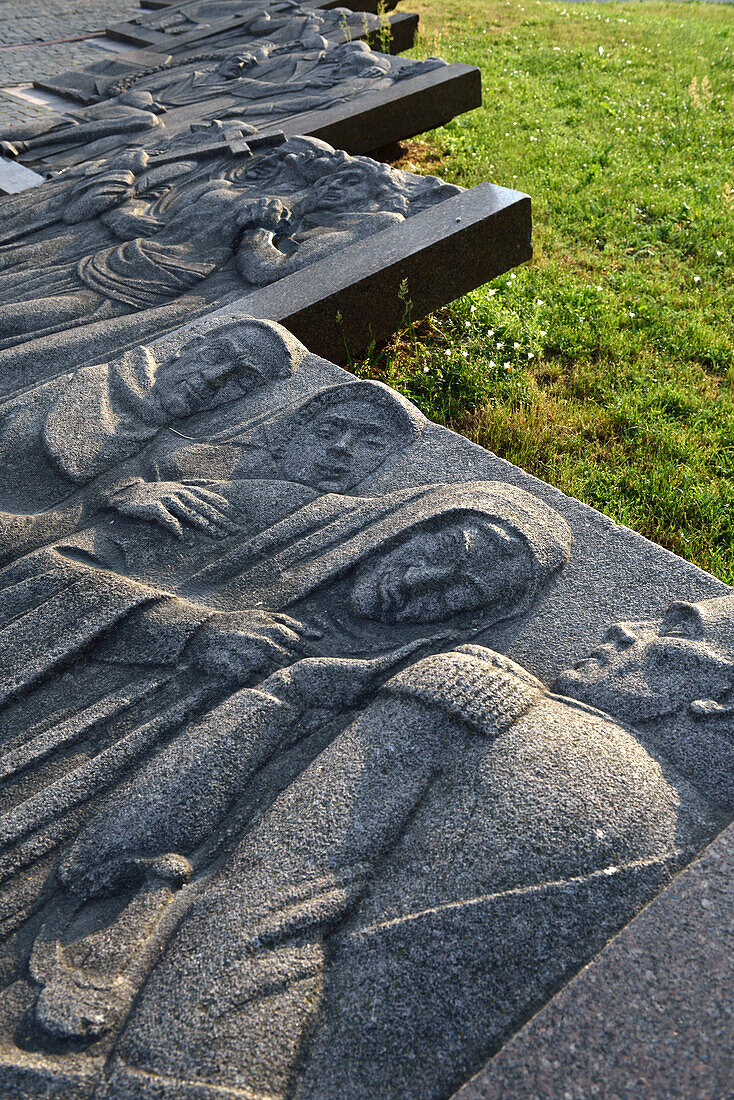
{"x": 606, "y": 366}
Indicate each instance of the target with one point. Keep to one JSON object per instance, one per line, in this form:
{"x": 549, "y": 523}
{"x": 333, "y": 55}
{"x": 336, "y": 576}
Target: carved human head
{"x": 480, "y": 548}
{"x": 223, "y": 364}
{"x": 442, "y": 570}
{"x": 644, "y": 670}
{"x": 361, "y": 184}
{"x": 309, "y": 159}
{"x": 341, "y": 436}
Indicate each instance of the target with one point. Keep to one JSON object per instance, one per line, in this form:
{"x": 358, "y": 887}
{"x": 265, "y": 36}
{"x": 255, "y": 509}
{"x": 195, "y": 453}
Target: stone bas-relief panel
{"x": 269, "y": 88}
{"x": 129, "y": 247}
{"x": 287, "y": 25}
{"x": 328, "y": 755}
{"x": 159, "y": 27}
{"x": 356, "y": 5}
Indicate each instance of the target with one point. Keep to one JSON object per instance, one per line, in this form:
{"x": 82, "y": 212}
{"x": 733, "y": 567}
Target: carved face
{"x": 435, "y": 574}
{"x": 338, "y": 447}
{"x": 644, "y": 670}
{"x": 204, "y": 374}
{"x": 348, "y": 189}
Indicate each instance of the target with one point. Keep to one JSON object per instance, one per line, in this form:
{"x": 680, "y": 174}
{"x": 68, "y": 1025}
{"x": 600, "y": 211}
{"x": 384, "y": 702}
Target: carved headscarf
{"x": 324, "y": 541}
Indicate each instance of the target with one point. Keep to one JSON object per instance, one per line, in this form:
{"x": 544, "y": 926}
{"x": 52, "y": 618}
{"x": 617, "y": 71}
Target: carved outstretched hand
{"x": 269, "y": 214}
{"x": 171, "y": 505}
{"x": 238, "y": 644}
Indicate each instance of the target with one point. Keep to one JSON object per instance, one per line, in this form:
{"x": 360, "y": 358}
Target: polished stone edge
{"x": 380, "y": 118}
{"x": 356, "y": 5}
{"x": 15, "y": 177}
{"x": 340, "y": 305}
{"x": 399, "y": 30}
{"x": 651, "y": 1017}
{"x": 375, "y": 119}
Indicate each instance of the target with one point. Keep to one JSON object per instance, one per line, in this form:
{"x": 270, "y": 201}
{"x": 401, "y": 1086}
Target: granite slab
{"x": 357, "y": 5}
{"x": 92, "y": 83}
{"x": 159, "y": 28}
{"x": 333, "y": 745}
{"x": 130, "y": 248}
{"x": 650, "y": 1017}
{"x": 282, "y": 21}
{"x": 348, "y": 95}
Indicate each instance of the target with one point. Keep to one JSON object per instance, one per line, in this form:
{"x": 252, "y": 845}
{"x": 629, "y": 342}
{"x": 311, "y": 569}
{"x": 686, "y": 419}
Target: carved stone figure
{"x": 438, "y": 868}
{"x": 282, "y": 22}
{"x": 209, "y": 238}
{"x": 187, "y": 18}
{"x": 66, "y": 432}
{"x": 259, "y": 88}
{"x": 132, "y": 113}
{"x": 448, "y": 552}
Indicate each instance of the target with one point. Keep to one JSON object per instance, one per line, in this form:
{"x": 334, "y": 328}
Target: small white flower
{"x": 697, "y": 278}
{"x": 530, "y": 355}
{"x": 543, "y": 332}
{"x": 631, "y": 314}
{"x": 472, "y": 309}
{"x": 490, "y": 332}
{"x": 507, "y": 366}
{"x": 467, "y": 324}
{"x": 492, "y": 292}
{"x": 425, "y": 370}
{"x": 500, "y": 344}
{"x": 539, "y": 302}
{"x": 601, "y": 51}
{"x": 492, "y": 363}
{"x": 465, "y": 353}
{"x": 448, "y": 353}
{"x": 513, "y": 275}
{"x": 516, "y": 345}
{"x": 600, "y": 288}
{"x": 719, "y": 253}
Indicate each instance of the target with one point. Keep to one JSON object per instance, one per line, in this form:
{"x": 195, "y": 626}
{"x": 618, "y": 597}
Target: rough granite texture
{"x": 652, "y": 1016}
{"x": 328, "y": 760}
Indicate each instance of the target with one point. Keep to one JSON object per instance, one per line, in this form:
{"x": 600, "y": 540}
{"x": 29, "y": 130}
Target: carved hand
{"x": 171, "y": 504}
{"x": 336, "y": 682}
{"x": 240, "y": 643}
{"x": 268, "y": 214}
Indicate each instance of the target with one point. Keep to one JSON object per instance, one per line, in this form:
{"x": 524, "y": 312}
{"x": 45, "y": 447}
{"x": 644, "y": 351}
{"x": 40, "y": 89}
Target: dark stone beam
{"x": 339, "y": 305}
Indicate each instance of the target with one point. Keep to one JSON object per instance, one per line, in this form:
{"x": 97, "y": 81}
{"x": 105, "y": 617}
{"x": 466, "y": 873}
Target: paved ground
{"x": 30, "y": 31}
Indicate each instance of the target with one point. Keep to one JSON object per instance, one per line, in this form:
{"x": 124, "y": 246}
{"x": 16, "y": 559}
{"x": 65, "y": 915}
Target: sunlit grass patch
{"x": 606, "y": 366}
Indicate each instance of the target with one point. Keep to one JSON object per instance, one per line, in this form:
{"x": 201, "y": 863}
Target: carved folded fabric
{"x": 323, "y": 756}
{"x": 198, "y": 234}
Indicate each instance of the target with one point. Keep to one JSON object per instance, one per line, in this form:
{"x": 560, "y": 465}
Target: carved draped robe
{"x": 441, "y": 867}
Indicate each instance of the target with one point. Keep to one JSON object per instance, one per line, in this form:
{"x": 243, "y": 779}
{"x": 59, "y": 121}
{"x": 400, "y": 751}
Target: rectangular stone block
{"x": 394, "y": 32}
{"x": 161, "y": 29}
{"x": 358, "y": 5}
{"x": 291, "y": 230}
{"x": 344, "y": 303}
{"x": 333, "y": 746}
{"x": 374, "y": 100}
{"x": 90, "y": 84}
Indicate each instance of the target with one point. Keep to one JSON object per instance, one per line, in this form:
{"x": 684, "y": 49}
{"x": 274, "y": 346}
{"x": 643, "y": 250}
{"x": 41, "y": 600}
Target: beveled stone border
{"x": 650, "y": 1018}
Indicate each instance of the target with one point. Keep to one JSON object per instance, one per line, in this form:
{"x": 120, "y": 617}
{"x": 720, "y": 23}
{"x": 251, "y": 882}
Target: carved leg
{"x": 87, "y": 984}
